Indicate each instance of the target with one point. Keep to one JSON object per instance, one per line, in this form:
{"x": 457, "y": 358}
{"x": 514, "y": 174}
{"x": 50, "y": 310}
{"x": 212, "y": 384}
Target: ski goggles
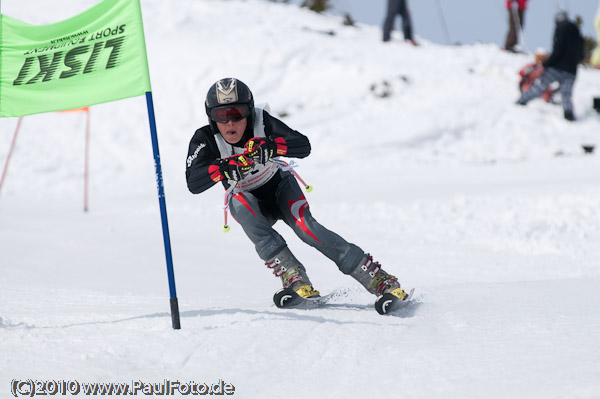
{"x": 225, "y": 113}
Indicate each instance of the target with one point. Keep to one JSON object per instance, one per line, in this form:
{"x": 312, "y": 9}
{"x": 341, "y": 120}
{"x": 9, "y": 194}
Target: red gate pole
{"x": 86, "y": 152}
{"x": 12, "y": 147}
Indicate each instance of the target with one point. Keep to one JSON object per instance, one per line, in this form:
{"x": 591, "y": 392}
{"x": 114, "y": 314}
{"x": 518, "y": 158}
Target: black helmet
{"x": 229, "y": 91}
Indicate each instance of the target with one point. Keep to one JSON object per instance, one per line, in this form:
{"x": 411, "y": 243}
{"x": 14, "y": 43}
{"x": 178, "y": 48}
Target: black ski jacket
{"x": 567, "y": 49}
{"x": 204, "y": 152}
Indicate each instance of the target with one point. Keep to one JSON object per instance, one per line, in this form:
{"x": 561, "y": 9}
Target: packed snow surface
{"x": 419, "y": 156}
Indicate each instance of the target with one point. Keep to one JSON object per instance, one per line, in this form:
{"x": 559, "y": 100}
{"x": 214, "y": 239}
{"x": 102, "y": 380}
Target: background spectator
{"x": 516, "y": 14}
{"x": 595, "y": 60}
{"x": 398, "y": 7}
{"x": 561, "y": 66}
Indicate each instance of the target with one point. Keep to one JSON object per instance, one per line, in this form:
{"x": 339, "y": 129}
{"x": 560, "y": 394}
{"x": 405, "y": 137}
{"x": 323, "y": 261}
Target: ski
{"x": 288, "y": 298}
{"x": 388, "y": 303}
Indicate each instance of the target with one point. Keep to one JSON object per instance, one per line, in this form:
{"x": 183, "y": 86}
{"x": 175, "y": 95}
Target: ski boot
{"x": 293, "y": 274}
{"x": 376, "y": 280}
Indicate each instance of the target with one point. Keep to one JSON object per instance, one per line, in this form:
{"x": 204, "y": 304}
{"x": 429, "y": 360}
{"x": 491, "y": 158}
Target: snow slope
{"x": 449, "y": 185}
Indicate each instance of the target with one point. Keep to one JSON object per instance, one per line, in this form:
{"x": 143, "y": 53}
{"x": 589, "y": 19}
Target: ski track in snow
{"x": 454, "y": 189}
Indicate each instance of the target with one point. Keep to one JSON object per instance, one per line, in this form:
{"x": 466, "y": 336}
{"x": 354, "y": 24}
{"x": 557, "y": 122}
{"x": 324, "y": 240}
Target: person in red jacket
{"x": 532, "y": 72}
{"x": 516, "y": 18}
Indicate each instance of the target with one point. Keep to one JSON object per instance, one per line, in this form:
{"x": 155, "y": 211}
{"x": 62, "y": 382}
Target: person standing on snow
{"x": 236, "y": 148}
{"x": 398, "y": 7}
{"x": 516, "y": 18}
{"x": 561, "y": 65}
{"x": 595, "y": 59}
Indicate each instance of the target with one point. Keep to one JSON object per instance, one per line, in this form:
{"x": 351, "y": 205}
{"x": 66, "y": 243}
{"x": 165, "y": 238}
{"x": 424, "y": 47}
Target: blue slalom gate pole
{"x": 163, "y": 213}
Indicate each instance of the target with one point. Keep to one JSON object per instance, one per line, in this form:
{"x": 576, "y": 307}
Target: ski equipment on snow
{"x": 293, "y": 275}
{"x": 376, "y": 280}
{"x": 390, "y": 302}
{"x": 288, "y": 298}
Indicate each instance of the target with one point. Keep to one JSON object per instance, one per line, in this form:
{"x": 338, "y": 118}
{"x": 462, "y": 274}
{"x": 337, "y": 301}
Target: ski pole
{"x": 443, "y": 19}
{"x": 285, "y": 166}
{"x": 228, "y": 192}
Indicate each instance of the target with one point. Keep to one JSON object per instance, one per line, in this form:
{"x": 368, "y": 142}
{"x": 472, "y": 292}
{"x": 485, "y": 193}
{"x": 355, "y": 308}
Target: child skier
{"x": 531, "y": 72}
{"x": 561, "y": 65}
{"x": 238, "y": 148}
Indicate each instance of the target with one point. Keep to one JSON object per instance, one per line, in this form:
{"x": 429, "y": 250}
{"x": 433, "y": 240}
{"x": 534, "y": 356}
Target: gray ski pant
{"x": 395, "y": 7}
{"x": 257, "y": 219}
{"x": 566, "y": 80}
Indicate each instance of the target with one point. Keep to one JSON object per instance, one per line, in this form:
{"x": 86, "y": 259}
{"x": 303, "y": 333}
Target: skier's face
{"x": 232, "y": 131}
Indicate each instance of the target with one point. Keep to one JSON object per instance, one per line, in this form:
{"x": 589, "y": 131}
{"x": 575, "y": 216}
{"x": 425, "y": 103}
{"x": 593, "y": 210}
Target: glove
{"x": 262, "y": 149}
{"x": 235, "y": 167}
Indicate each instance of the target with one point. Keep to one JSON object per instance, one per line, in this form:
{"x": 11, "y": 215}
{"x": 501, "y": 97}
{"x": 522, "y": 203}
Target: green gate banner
{"x": 91, "y": 58}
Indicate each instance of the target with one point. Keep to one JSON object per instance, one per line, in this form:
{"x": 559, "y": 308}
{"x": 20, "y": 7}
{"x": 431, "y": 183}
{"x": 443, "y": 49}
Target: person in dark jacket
{"x": 561, "y": 65}
{"x": 394, "y": 8}
{"x": 516, "y": 19}
{"x": 240, "y": 148}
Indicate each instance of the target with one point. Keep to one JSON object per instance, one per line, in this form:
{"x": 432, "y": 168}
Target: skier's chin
{"x": 233, "y": 137}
